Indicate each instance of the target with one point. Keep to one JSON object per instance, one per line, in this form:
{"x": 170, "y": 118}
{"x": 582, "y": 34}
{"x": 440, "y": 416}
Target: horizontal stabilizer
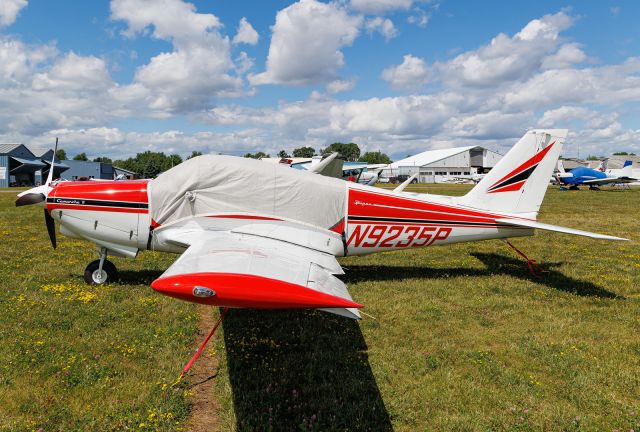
{"x": 556, "y": 228}
{"x": 320, "y": 166}
{"x": 405, "y": 183}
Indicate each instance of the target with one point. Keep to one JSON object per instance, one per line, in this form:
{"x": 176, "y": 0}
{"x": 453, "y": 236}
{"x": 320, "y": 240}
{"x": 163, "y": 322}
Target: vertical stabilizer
{"x": 518, "y": 182}
{"x": 626, "y": 169}
{"x": 602, "y": 166}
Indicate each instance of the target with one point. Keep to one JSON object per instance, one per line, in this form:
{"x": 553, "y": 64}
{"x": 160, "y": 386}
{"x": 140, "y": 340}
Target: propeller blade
{"x": 51, "y": 227}
{"x": 30, "y": 198}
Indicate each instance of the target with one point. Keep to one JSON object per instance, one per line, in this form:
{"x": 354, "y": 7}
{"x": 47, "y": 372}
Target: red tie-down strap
{"x": 202, "y": 345}
{"x": 534, "y": 268}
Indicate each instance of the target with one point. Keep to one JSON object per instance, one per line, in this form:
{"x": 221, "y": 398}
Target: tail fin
{"x": 626, "y": 169}
{"x": 561, "y": 166}
{"x": 518, "y": 182}
{"x": 602, "y": 166}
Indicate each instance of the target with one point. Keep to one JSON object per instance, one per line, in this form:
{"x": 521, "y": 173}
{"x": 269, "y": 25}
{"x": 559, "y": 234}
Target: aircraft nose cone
{"x": 30, "y": 198}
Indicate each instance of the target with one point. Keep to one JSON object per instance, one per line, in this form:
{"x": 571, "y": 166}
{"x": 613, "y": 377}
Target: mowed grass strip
{"x": 76, "y": 357}
{"x": 464, "y": 337}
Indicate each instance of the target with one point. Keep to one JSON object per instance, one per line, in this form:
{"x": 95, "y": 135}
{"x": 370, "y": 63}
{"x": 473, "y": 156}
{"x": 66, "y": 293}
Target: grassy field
{"x": 464, "y": 338}
{"x": 75, "y": 357}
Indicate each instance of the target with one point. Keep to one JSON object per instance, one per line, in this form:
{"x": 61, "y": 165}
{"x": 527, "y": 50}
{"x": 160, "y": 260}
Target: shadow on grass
{"x": 495, "y": 264}
{"x": 138, "y": 277}
{"x": 301, "y": 370}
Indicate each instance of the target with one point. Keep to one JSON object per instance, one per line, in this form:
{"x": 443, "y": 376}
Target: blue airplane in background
{"x": 592, "y": 177}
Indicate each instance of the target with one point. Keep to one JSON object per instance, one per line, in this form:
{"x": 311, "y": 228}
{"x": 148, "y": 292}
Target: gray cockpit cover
{"x": 228, "y": 184}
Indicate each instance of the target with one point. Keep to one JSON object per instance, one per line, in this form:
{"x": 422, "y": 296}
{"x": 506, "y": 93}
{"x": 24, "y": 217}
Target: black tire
{"x": 108, "y": 268}
{"x": 414, "y": 181}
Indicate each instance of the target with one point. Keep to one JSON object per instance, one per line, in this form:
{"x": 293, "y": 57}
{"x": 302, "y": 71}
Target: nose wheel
{"x": 101, "y": 271}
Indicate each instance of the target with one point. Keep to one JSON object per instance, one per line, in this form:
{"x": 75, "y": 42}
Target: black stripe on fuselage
{"x": 97, "y": 203}
{"x": 428, "y": 221}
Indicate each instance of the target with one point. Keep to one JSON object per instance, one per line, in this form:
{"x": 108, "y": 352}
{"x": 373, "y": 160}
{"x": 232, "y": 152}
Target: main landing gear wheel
{"x": 93, "y": 275}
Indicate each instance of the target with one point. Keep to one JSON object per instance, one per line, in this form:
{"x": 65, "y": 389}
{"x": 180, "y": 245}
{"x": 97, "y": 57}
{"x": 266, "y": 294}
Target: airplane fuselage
{"x": 579, "y": 175}
{"x": 115, "y": 215}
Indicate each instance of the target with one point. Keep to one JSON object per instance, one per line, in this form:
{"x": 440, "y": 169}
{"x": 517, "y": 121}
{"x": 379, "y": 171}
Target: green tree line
{"x": 149, "y": 164}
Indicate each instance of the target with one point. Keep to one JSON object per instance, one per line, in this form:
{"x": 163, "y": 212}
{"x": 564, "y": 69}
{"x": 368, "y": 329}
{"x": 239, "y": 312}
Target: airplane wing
{"x": 525, "y": 223}
{"x": 249, "y": 271}
{"x": 607, "y": 180}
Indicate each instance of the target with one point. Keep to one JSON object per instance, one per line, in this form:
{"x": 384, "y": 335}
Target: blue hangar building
{"x": 22, "y": 166}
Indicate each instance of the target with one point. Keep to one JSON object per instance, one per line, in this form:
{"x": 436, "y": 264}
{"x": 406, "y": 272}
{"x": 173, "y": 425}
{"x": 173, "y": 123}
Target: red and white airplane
{"x": 257, "y": 235}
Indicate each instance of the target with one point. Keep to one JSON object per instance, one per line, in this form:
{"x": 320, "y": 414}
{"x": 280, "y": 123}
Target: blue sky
{"x": 121, "y": 76}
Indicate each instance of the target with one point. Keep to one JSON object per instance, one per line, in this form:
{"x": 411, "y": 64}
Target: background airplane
{"x": 593, "y": 177}
{"x": 331, "y": 166}
{"x": 361, "y": 172}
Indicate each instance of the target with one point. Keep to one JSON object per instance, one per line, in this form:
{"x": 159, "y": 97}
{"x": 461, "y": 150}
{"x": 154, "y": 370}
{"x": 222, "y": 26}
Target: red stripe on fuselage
{"x": 53, "y": 206}
{"x": 373, "y": 204}
{"x": 131, "y": 191}
{"x": 120, "y": 190}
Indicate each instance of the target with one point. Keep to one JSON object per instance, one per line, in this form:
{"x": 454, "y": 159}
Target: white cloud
{"x": 412, "y": 73}
{"x": 42, "y": 90}
{"x": 9, "y": 10}
{"x": 245, "y": 33}
{"x": 564, "y": 115}
{"x": 488, "y": 95}
{"x": 339, "y": 86}
{"x": 383, "y": 26}
{"x": 306, "y": 43}
{"x": 18, "y": 61}
{"x": 409, "y": 115}
{"x": 547, "y": 27}
{"x": 119, "y": 144}
{"x": 421, "y": 18}
{"x": 506, "y": 58}
{"x": 167, "y": 19}
{"x": 567, "y": 56}
{"x": 74, "y": 73}
{"x": 493, "y": 125}
{"x": 243, "y": 62}
{"x": 601, "y": 85}
{"x": 191, "y": 76}
{"x": 378, "y": 7}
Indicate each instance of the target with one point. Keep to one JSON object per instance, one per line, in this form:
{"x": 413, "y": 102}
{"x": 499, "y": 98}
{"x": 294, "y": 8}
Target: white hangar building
{"x": 435, "y": 166}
